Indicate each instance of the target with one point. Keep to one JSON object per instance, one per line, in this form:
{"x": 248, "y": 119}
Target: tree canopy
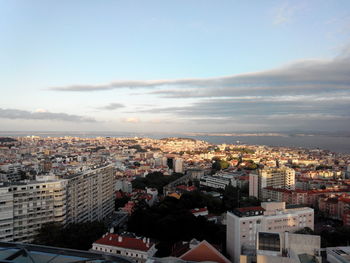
{"x": 75, "y": 236}
{"x": 171, "y": 221}
{"x": 154, "y": 180}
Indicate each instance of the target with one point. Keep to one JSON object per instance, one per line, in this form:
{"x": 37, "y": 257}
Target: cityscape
{"x": 175, "y": 199}
{"x": 175, "y": 131}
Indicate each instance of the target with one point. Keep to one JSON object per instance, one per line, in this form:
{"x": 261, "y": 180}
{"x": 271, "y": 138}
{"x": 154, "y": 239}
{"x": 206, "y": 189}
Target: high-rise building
{"x": 243, "y": 224}
{"x": 6, "y": 213}
{"x": 282, "y": 177}
{"x": 178, "y": 166}
{"x": 90, "y": 194}
{"x": 26, "y": 206}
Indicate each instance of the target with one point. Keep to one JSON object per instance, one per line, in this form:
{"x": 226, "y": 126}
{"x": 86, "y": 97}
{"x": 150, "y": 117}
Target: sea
{"x": 333, "y": 143}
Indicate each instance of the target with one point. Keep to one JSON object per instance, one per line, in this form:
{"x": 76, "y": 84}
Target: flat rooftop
{"x": 24, "y": 253}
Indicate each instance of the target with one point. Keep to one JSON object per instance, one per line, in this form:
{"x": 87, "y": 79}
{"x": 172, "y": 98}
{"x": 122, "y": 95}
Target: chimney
{"x": 111, "y": 230}
{"x": 144, "y": 240}
{"x": 120, "y": 239}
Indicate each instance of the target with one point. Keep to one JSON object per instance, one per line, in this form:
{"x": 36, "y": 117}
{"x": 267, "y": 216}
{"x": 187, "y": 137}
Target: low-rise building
{"x": 137, "y": 249}
{"x": 338, "y": 254}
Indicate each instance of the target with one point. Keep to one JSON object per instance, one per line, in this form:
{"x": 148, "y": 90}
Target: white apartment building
{"x": 90, "y": 194}
{"x": 214, "y": 181}
{"x": 124, "y": 185}
{"x": 26, "y": 206}
{"x": 282, "y": 177}
{"x": 243, "y": 224}
{"x": 178, "y": 165}
{"x": 137, "y": 249}
{"x": 6, "y": 213}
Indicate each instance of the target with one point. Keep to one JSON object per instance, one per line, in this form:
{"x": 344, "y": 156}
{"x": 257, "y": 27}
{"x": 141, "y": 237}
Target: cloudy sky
{"x": 175, "y": 65}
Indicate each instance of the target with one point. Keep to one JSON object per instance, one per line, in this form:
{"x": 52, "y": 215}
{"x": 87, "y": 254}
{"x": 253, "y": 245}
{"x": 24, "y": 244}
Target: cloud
{"x": 41, "y": 114}
{"x": 112, "y": 106}
{"x": 310, "y": 94}
{"x": 41, "y": 110}
{"x": 302, "y": 111}
{"x": 285, "y": 13}
{"x": 301, "y": 77}
{"x": 131, "y": 120}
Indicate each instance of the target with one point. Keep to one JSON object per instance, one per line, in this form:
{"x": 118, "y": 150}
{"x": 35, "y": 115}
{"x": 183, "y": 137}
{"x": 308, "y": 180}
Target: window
{"x": 269, "y": 241}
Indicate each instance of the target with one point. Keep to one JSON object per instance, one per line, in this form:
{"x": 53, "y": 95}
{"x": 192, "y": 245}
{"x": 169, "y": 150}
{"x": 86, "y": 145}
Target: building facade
{"x": 90, "y": 195}
{"x": 243, "y": 224}
{"x": 137, "y": 249}
{"x": 282, "y": 177}
{"x": 27, "y": 205}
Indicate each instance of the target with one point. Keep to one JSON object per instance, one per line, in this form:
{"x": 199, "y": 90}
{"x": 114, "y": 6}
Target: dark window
{"x": 269, "y": 241}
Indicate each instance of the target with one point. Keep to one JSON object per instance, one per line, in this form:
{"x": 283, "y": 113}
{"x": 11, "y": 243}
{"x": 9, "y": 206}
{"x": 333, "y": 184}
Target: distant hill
{"x": 178, "y": 139}
{"x": 7, "y": 139}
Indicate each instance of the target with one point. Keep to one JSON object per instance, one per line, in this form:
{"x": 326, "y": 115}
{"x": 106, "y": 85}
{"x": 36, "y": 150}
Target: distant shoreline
{"x": 331, "y": 142}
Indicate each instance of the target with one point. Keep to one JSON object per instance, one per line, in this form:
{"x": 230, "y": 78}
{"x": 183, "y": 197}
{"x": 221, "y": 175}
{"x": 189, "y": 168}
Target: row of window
{"x": 131, "y": 254}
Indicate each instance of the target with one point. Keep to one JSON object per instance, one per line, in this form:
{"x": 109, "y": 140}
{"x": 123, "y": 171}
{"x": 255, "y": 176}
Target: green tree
{"x": 75, "y": 236}
{"x": 230, "y": 198}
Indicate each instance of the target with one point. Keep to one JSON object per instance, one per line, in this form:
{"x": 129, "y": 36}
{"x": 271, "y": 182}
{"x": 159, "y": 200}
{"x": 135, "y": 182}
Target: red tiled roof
{"x": 127, "y": 242}
{"x": 204, "y": 252}
{"x": 345, "y": 199}
{"x": 198, "y": 210}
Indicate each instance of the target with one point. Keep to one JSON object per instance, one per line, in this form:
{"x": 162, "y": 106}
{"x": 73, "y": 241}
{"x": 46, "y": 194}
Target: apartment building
{"x": 214, "y": 181}
{"x": 281, "y": 177}
{"x": 243, "y": 224}
{"x": 26, "y": 206}
{"x": 6, "y": 213}
{"x": 90, "y": 194}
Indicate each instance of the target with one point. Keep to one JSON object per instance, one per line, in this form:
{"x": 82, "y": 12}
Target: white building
{"x": 253, "y": 185}
{"x": 338, "y": 254}
{"x": 283, "y": 177}
{"x": 26, "y": 206}
{"x": 90, "y": 195}
{"x": 123, "y": 185}
{"x": 243, "y": 224}
{"x": 178, "y": 165}
{"x": 138, "y": 249}
{"x": 285, "y": 247}
{"x": 154, "y": 193}
{"x": 6, "y": 213}
{"x": 214, "y": 181}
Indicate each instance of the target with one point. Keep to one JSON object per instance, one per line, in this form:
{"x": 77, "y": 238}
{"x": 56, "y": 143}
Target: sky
{"x": 175, "y": 65}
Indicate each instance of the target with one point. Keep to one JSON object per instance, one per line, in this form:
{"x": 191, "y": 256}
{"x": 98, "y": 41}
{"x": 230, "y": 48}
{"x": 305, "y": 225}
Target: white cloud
{"x": 41, "y": 114}
{"x": 285, "y": 13}
{"x": 111, "y": 106}
{"x": 41, "y": 110}
{"x": 131, "y": 120}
